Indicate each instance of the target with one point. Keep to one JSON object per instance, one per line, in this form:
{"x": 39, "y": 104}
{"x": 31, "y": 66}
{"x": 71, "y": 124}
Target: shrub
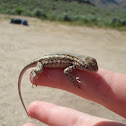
{"x": 64, "y": 17}
{"x": 85, "y": 19}
{"x": 39, "y": 13}
{"x": 19, "y": 11}
{"x": 10, "y": 11}
{"x": 27, "y": 13}
{"x": 67, "y": 18}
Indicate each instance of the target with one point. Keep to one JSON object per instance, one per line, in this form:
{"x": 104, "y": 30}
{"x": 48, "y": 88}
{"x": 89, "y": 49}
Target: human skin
{"x": 104, "y": 87}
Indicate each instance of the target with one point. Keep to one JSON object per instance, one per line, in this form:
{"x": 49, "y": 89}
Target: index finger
{"x": 104, "y": 87}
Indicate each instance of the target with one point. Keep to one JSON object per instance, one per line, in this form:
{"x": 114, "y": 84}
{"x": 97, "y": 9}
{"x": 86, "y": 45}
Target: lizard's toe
{"x": 78, "y": 79}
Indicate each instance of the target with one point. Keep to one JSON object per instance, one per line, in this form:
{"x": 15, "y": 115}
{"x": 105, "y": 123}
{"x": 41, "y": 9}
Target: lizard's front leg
{"x": 37, "y": 69}
{"x": 68, "y": 71}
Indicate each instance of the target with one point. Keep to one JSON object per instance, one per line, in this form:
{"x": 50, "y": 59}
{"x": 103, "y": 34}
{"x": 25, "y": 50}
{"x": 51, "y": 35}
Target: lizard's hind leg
{"x": 37, "y": 69}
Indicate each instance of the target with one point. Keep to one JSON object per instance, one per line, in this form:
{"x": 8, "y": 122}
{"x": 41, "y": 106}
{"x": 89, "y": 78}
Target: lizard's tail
{"x": 19, "y": 83}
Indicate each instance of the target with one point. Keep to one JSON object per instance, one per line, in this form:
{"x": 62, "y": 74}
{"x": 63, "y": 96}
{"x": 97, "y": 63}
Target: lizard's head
{"x": 90, "y": 64}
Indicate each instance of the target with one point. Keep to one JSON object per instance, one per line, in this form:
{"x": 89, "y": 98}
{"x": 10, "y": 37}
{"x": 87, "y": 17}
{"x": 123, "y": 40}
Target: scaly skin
{"x": 67, "y": 61}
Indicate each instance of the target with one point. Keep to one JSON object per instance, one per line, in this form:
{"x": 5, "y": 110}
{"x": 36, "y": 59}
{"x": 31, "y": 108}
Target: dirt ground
{"x": 20, "y": 44}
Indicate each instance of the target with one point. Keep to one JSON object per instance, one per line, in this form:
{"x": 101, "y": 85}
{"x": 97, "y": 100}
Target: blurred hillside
{"x": 80, "y": 12}
{"x": 111, "y": 4}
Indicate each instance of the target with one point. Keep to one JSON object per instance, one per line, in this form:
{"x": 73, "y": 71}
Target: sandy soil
{"x": 20, "y": 44}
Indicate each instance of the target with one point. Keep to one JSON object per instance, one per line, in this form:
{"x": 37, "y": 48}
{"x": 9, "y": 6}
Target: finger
{"x": 28, "y": 124}
{"x": 54, "y": 115}
{"x": 104, "y": 87}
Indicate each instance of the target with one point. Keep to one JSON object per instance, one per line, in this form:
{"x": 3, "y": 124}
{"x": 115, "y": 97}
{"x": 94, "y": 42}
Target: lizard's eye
{"x": 93, "y": 64}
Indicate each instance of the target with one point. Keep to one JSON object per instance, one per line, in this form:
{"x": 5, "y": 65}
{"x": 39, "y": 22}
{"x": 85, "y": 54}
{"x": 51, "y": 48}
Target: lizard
{"x": 67, "y": 61}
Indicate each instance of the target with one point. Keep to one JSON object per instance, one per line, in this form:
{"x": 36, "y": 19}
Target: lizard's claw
{"x": 34, "y": 80}
{"x": 78, "y": 79}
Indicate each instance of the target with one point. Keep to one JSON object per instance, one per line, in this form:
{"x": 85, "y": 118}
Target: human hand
{"x": 104, "y": 87}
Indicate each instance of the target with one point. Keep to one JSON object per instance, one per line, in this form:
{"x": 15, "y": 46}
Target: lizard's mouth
{"x": 94, "y": 65}
{"x": 95, "y": 68}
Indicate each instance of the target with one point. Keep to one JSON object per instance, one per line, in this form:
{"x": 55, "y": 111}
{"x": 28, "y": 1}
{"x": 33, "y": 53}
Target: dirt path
{"x": 20, "y": 44}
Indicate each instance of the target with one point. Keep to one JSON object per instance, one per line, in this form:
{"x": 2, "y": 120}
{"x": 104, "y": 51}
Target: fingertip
{"x": 29, "y": 124}
{"x": 32, "y": 108}
{"x": 50, "y": 114}
{"x": 39, "y": 110}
